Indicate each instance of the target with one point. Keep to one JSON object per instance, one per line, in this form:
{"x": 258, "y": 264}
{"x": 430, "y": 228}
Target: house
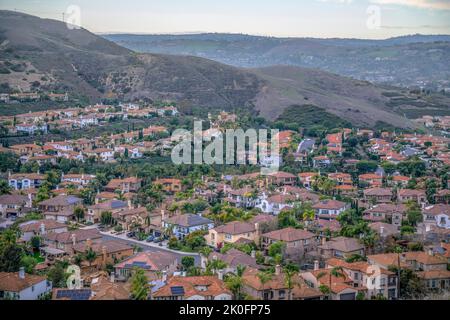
{"x": 305, "y": 148}
{"x": 384, "y": 229}
{"x": 341, "y": 288}
{"x": 274, "y": 204}
{"x": 131, "y": 184}
{"x": 23, "y": 286}
{"x": 107, "y": 252}
{"x": 104, "y": 288}
{"x": 389, "y": 212}
{"x": 60, "y": 208}
{"x": 40, "y": 228}
{"x": 298, "y": 242}
{"x": 307, "y": 178}
{"x": 340, "y": 247}
{"x": 169, "y": 185}
{"x": 20, "y": 181}
{"x": 14, "y": 205}
{"x": 193, "y": 288}
{"x": 276, "y": 288}
{"x": 184, "y": 224}
{"x": 66, "y": 240}
{"x": 321, "y": 162}
{"x": 94, "y": 212}
{"x": 233, "y": 258}
{"x": 405, "y": 195}
{"x": 443, "y": 196}
{"x": 437, "y": 215}
{"x": 281, "y": 178}
{"x": 378, "y": 195}
{"x": 153, "y": 262}
{"x": 399, "y": 180}
{"x": 341, "y": 179}
{"x": 232, "y": 232}
{"x": 329, "y": 209}
{"x": 78, "y": 179}
{"x": 373, "y": 280}
{"x": 371, "y": 179}
{"x": 31, "y": 128}
{"x": 130, "y": 218}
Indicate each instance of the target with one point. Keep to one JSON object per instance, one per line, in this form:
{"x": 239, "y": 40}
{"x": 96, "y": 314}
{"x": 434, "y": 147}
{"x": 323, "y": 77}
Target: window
{"x": 228, "y": 236}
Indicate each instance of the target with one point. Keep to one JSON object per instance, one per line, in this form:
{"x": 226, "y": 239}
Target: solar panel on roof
{"x": 76, "y": 294}
{"x": 178, "y": 291}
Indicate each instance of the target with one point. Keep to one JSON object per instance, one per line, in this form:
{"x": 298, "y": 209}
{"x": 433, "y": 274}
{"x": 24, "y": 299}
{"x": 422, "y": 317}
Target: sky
{"x": 370, "y": 19}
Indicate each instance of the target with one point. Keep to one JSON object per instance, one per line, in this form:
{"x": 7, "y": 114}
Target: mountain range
{"x": 416, "y": 60}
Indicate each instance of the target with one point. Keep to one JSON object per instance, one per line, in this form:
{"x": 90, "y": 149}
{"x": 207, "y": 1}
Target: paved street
{"x": 149, "y": 246}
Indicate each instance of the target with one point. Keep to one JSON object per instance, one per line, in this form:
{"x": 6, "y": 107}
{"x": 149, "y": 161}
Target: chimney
{"x": 22, "y": 273}
{"x": 130, "y": 206}
{"x": 74, "y": 239}
{"x": 88, "y": 243}
{"x": 112, "y": 277}
{"x": 430, "y": 252}
{"x": 163, "y": 215}
{"x": 381, "y": 230}
{"x": 324, "y": 240}
{"x": 42, "y": 228}
{"x": 220, "y": 274}
{"x": 277, "y": 270}
{"x": 316, "y": 265}
{"x": 164, "y": 276}
{"x": 253, "y": 254}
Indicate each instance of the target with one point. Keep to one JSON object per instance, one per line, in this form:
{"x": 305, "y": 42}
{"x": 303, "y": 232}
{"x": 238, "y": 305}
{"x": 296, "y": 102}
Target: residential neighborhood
{"x": 350, "y": 221}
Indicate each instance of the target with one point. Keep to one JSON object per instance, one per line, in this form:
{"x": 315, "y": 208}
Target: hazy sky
{"x": 304, "y": 18}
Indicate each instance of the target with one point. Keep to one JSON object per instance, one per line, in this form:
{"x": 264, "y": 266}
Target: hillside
{"x": 44, "y": 55}
{"x": 416, "y": 60}
{"x": 51, "y": 57}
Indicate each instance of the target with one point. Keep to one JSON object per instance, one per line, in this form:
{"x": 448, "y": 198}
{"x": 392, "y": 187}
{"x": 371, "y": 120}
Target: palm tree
{"x": 235, "y": 282}
{"x": 288, "y": 281}
{"x": 90, "y": 256}
{"x": 140, "y": 288}
{"x": 398, "y": 250}
{"x": 264, "y": 277}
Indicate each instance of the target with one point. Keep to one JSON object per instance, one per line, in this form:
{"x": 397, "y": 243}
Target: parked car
{"x": 157, "y": 239}
{"x": 150, "y": 238}
{"x": 131, "y": 234}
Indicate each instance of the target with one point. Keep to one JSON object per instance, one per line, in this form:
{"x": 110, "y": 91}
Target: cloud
{"x": 425, "y": 4}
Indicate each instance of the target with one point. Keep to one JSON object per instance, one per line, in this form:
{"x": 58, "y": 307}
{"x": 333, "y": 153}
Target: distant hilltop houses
{"x": 76, "y": 118}
{"x": 32, "y": 96}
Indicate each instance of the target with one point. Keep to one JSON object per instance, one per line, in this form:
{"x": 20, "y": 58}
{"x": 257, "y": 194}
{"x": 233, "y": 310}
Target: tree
{"x": 413, "y": 213}
{"x": 57, "y": 276}
{"x": 106, "y": 218}
{"x": 90, "y": 256}
{"x": 35, "y": 243}
{"x": 276, "y": 251}
{"x": 10, "y": 258}
{"x": 235, "y": 282}
{"x": 28, "y": 262}
{"x": 79, "y": 213}
{"x": 4, "y": 187}
{"x": 140, "y": 288}
{"x": 288, "y": 280}
{"x": 286, "y": 218}
{"x": 264, "y": 277}
{"x": 187, "y": 262}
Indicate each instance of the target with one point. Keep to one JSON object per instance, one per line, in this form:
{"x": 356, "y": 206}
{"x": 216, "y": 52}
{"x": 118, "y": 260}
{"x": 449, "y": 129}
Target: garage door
{"x": 347, "y": 296}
